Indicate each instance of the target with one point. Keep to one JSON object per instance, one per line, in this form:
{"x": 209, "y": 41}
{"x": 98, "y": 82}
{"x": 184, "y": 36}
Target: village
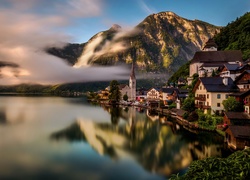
{"x": 218, "y": 100}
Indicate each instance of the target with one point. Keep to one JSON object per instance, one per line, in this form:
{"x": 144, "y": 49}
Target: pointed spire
{"x": 132, "y": 74}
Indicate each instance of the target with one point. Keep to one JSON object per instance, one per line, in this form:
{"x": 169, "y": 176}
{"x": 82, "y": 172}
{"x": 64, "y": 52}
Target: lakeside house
{"x": 237, "y": 133}
{"x": 210, "y": 92}
{"x": 236, "y": 118}
{"x": 238, "y": 137}
{"x": 153, "y": 94}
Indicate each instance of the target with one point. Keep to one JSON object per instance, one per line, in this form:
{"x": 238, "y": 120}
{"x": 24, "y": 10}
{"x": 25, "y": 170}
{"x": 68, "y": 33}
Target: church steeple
{"x": 132, "y": 73}
{"x": 132, "y": 83}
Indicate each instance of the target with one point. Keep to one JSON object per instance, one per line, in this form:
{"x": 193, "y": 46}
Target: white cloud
{"x": 26, "y": 30}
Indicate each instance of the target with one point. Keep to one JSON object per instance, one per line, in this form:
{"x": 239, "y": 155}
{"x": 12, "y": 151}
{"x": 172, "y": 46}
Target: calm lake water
{"x": 67, "y": 138}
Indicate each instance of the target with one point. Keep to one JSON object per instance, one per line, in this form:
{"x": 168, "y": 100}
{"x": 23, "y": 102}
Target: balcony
{"x": 201, "y": 98}
{"x": 201, "y": 106}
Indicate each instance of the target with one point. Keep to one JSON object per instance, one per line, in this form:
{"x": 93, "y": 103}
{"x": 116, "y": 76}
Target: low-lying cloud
{"x": 28, "y": 27}
{"x": 114, "y": 45}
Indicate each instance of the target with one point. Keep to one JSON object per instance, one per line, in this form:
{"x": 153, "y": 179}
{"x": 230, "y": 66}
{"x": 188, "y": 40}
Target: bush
{"x": 236, "y": 166}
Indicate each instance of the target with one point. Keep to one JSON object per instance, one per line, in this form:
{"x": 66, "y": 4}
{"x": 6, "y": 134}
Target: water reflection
{"x": 161, "y": 148}
{"x": 65, "y": 138}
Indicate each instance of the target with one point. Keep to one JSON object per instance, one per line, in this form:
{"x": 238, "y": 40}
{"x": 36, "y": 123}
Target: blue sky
{"x": 28, "y": 26}
{"x": 92, "y": 16}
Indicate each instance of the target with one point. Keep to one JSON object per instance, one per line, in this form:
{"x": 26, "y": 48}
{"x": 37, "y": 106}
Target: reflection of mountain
{"x": 151, "y": 144}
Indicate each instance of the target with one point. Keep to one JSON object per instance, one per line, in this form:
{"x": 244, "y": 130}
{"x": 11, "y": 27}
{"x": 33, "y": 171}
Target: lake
{"x": 67, "y": 138}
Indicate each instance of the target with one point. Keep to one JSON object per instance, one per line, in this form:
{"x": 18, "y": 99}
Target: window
{"x": 207, "y": 96}
{"x": 207, "y": 103}
{"x": 226, "y": 96}
{"x": 218, "y": 96}
{"x": 218, "y": 104}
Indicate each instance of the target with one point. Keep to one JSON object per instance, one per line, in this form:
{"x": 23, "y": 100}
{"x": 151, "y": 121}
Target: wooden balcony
{"x": 201, "y": 106}
{"x": 201, "y": 98}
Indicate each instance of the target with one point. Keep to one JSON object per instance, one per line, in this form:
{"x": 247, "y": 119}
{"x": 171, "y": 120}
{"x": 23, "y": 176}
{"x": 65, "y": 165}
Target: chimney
{"x": 225, "y": 80}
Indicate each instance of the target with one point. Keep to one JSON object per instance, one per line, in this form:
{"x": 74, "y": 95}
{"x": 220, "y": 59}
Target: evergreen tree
{"x": 115, "y": 94}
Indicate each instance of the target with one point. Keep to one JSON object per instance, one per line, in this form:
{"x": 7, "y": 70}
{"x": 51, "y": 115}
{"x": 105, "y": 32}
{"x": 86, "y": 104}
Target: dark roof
{"x": 237, "y": 115}
{"x": 242, "y": 74}
{"x": 215, "y": 84}
{"x": 241, "y": 94}
{"x": 182, "y": 95}
{"x": 169, "y": 90}
{"x": 240, "y": 131}
{"x": 217, "y": 56}
{"x": 212, "y": 65}
{"x": 232, "y": 67}
{"x": 183, "y": 91}
{"x": 210, "y": 43}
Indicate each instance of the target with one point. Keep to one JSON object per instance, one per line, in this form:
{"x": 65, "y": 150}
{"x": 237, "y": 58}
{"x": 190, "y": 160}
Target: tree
{"x": 189, "y": 104}
{"x": 232, "y": 105}
{"x": 115, "y": 94}
{"x": 125, "y": 97}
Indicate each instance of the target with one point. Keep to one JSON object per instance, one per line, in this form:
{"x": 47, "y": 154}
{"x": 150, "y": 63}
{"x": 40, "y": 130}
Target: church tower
{"x": 132, "y": 84}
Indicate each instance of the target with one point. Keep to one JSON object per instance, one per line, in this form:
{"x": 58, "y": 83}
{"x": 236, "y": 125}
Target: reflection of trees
{"x": 152, "y": 144}
{"x": 115, "y": 113}
{"x": 3, "y": 119}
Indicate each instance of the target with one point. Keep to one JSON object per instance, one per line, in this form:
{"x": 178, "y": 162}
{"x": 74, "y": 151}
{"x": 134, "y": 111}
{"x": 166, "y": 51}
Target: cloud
{"x": 116, "y": 44}
{"x": 27, "y": 28}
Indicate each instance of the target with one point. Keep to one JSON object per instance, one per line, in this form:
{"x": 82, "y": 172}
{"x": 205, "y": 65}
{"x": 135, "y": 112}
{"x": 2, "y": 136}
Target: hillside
{"x": 236, "y": 36}
{"x": 160, "y": 43}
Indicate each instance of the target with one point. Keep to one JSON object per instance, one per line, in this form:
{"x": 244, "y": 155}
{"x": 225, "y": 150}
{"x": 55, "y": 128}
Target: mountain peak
{"x": 115, "y": 27}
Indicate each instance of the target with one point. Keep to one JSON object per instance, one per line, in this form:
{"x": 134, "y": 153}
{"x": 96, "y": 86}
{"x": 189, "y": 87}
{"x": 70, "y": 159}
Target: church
{"x": 130, "y": 89}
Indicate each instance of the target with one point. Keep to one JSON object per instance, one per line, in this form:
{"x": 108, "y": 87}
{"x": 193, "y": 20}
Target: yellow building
{"x": 210, "y": 92}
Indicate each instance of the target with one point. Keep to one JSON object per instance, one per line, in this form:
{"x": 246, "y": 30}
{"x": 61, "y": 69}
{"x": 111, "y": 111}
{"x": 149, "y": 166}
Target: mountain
{"x": 162, "y": 42}
{"x": 236, "y": 36}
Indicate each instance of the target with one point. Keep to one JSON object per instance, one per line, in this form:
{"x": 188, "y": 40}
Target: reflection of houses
{"x": 211, "y": 91}
{"x": 238, "y": 129}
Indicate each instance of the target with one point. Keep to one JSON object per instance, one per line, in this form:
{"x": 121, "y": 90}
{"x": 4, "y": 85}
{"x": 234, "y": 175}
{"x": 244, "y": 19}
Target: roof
{"x": 121, "y": 86}
{"x": 210, "y": 43}
{"x": 212, "y": 65}
{"x": 169, "y": 90}
{"x": 232, "y": 67}
{"x": 242, "y": 74}
{"x": 241, "y": 94}
{"x": 240, "y": 131}
{"x": 217, "y": 56}
{"x": 215, "y": 84}
{"x": 237, "y": 115}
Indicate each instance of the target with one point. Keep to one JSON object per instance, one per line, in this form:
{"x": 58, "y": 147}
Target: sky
{"x": 27, "y": 26}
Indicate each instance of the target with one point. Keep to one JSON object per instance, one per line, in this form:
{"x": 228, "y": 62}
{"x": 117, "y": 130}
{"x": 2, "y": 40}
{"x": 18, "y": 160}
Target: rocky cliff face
{"x": 160, "y": 43}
